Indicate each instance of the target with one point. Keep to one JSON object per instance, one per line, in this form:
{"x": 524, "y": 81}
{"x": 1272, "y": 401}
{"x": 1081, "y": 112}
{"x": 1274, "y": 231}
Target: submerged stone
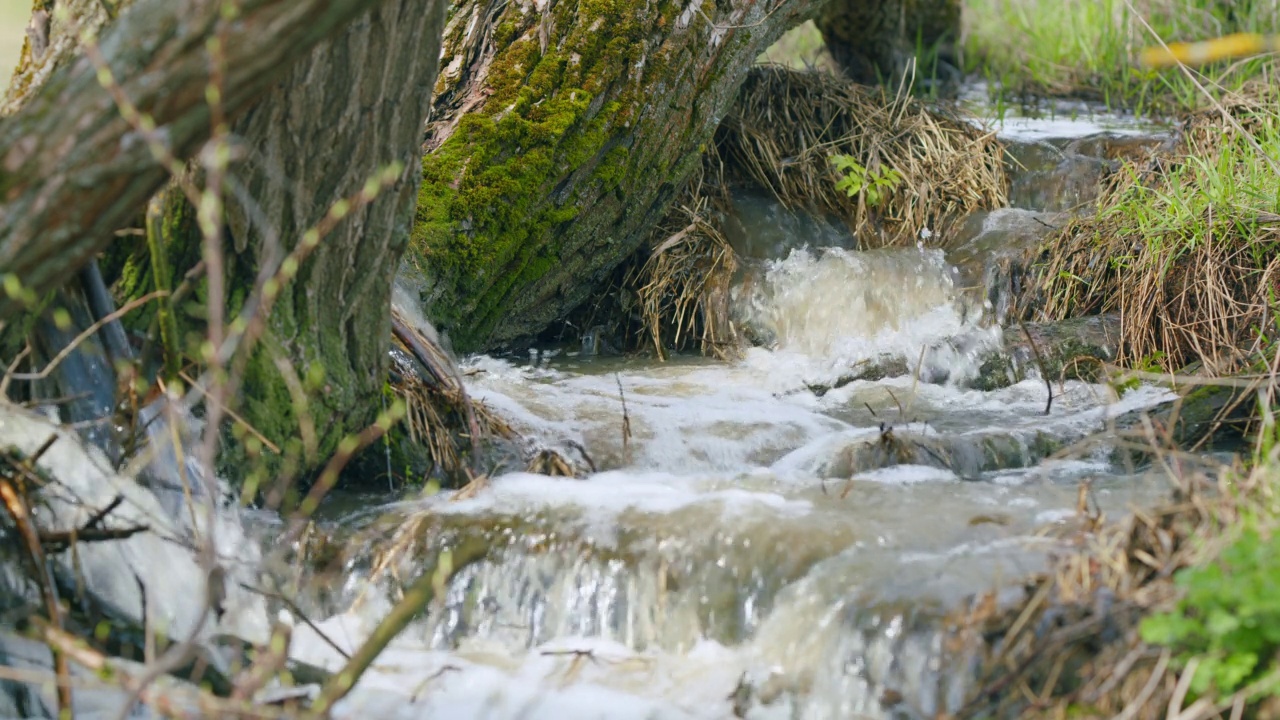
{"x": 1055, "y": 351}
{"x": 968, "y": 455}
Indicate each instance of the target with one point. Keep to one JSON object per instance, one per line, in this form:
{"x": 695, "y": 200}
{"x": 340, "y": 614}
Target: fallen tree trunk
{"x": 562, "y": 130}
{"x": 73, "y": 170}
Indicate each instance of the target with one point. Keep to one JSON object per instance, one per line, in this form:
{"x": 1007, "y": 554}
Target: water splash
{"x": 830, "y": 310}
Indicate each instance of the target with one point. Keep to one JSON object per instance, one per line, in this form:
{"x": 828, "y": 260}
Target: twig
{"x": 56, "y": 542}
{"x": 591, "y": 464}
{"x": 267, "y": 663}
{"x": 430, "y": 585}
{"x": 574, "y": 653}
{"x": 347, "y": 448}
{"x": 165, "y": 702}
{"x": 239, "y": 420}
{"x": 626, "y": 421}
{"x": 1135, "y": 706}
{"x": 1184, "y": 685}
{"x": 13, "y": 366}
{"x": 70, "y": 348}
{"x": 422, "y": 685}
{"x": 17, "y": 508}
{"x": 30, "y": 462}
{"x": 96, "y": 518}
{"x": 1035, "y": 350}
{"x": 915, "y": 382}
{"x": 901, "y": 412}
{"x": 301, "y": 406}
{"x": 293, "y": 608}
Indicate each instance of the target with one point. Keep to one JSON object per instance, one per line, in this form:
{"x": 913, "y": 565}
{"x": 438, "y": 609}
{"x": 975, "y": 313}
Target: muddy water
{"x": 765, "y": 538}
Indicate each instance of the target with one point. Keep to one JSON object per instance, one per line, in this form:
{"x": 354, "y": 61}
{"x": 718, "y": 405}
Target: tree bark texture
{"x": 357, "y": 103}
{"x": 72, "y": 170}
{"x": 52, "y": 40}
{"x": 561, "y": 131}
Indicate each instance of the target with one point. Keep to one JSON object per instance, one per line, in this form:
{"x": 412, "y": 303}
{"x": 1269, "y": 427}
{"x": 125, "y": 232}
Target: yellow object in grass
{"x": 1198, "y": 53}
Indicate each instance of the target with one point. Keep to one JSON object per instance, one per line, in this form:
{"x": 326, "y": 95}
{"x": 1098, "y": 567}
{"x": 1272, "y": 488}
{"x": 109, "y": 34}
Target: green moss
{"x": 496, "y": 189}
{"x": 269, "y": 404}
{"x": 265, "y": 401}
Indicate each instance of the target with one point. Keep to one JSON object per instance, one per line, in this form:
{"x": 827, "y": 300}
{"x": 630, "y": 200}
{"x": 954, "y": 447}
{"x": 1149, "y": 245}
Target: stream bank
{"x": 768, "y": 537}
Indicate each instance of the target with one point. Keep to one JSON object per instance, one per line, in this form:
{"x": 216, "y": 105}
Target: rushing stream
{"x": 748, "y": 545}
{"x": 757, "y": 538}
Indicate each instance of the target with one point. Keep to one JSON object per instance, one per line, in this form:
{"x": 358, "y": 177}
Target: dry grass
{"x": 1072, "y": 646}
{"x": 441, "y": 416}
{"x": 683, "y": 286}
{"x": 1183, "y": 245}
{"x": 787, "y": 125}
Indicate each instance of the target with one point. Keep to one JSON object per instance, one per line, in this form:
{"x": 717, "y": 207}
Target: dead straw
{"x": 440, "y": 415}
{"x": 1196, "y": 292}
{"x": 787, "y": 125}
{"x": 683, "y": 286}
{"x": 1072, "y": 646}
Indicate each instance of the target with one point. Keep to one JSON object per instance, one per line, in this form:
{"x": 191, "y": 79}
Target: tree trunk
{"x": 873, "y": 41}
{"x": 72, "y": 170}
{"x": 53, "y": 40}
{"x": 562, "y": 131}
{"x": 358, "y": 103}
{"x": 316, "y": 118}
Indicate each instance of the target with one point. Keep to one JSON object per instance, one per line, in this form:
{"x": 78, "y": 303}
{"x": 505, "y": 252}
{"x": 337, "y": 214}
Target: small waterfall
{"x": 835, "y": 310}
{"x": 855, "y": 305}
{"x": 786, "y": 536}
{"x": 777, "y": 538}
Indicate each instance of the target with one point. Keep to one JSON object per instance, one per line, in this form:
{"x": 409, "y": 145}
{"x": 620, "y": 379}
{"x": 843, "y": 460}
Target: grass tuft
{"x": 683, "y": 286}
{"x": 1169, "y": 612}
{"x": 441, "y": 418}
{"x": 1184, "y": 244}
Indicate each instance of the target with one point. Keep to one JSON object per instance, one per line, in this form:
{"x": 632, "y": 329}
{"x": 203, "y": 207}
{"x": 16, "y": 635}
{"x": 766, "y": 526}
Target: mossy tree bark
{"x": 323, "y": 94}
{"x": 562, "y": 130}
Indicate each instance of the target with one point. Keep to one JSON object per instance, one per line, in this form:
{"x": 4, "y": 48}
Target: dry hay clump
{"x": 787, "y": 125}
{"x": 1183, "y": 246}
{"x": 441, "y": 417}
{"x": 1071, "y": 647}
{"x": 682, "y": 288}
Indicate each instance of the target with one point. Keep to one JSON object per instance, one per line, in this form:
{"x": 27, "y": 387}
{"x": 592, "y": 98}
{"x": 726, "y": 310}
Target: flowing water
{"x": 775, "y": 537}
{"x": 770, "y": 537}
